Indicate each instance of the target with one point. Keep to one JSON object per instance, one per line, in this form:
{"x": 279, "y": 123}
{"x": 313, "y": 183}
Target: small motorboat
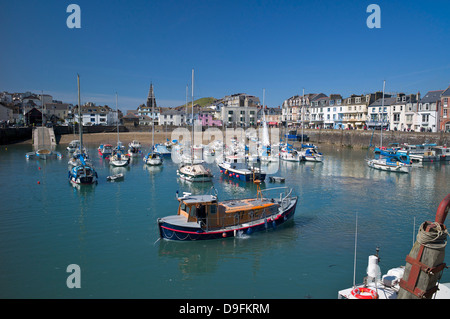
{"x": 115, "y": 177}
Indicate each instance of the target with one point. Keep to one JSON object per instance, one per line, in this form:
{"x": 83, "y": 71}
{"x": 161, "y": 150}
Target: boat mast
{"x": 117, "y": 110}
{"x": 80, "y": 124}
{"x": 192, "y": 119}
{"x": 153, "y": 126}
{"x": 187, "y": 92}
{"x": 303, "y": 106}
{"x": 382, "y": 110}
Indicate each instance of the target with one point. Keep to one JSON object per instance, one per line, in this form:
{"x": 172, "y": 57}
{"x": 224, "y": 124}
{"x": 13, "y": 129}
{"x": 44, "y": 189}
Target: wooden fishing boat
{"x": 202, "y": 217}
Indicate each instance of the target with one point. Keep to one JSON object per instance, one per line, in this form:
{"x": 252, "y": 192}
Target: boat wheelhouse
{"x": 419, "y": 153}
{"x": 105, "y": 150}
{"x": 73, "y": 146}
{"x": 202, "y": 217}
{"x": 134, "y": 148}
{"x": 153, "y": 159}
{"x": 162, "y": 150}
{"x": 311, "y": 155}
{"x": 442, "y": 153}
{"x": 83, "y": 174}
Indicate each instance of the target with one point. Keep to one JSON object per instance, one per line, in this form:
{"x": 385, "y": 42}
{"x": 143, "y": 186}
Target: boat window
{"x": 213, "y": 209}
{"x": 183, "y": 206}
{"x": 193, "y": 211}
{"x": 201, "y": 211}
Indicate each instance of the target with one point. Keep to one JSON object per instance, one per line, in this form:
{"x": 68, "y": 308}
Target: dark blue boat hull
{"x": 174, "y": 232}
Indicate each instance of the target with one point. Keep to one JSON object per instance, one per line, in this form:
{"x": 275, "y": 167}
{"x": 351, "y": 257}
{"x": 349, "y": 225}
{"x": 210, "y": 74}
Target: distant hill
{"x": 204, "y": 101}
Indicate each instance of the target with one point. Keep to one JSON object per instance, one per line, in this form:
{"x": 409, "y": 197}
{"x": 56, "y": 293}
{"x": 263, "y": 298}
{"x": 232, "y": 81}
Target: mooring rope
{"x": 435, "y": 238}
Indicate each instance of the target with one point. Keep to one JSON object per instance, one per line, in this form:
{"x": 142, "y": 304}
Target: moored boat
{"x": 391, "y": 162}
{"x": 134, "y": 148}
{"x": 162, "y": 150}
{"x": 43, "y": 153}
{"x": 82, "y": 172}
{"x": 311, "y": 154}
{"x": 153, "y": 159}
{"x": 73, "y": 146}
{"x": 290, "y": 155}
{"x": 115, "y": 177}
{"x": 105, "y": 150}
{"x": 442, "y": 153}
{"x": 194, "y": 173}
{"x": 202, "y": 217}
{"x": 118, "y": 158}
{"x": 236, "y": 167}
{"x": 83, "y": 175}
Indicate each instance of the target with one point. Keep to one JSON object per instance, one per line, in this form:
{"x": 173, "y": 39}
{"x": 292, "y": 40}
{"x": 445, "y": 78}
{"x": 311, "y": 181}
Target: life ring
{"x": 368, "y": 293}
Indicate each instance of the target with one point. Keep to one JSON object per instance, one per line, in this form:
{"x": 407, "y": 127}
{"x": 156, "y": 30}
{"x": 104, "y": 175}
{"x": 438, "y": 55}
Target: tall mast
{"x": 303, "y": 106}
{"x": 79, "y": 114}
{"x": 192, "y": 91}
{"x": 153, "y": 125}
{"x": 117, "y": 110}
{"x": 187, "y": 91}
{"x": 382, "y": 110}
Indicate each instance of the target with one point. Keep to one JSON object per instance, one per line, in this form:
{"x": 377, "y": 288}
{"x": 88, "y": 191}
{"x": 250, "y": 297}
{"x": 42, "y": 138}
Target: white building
{"x": 94, "y": 115}
{"x": 174, "y": 117}
{"x": 401, "y": 112}
{"x": 428, "y": 111}
{"x": 240, "y": 110}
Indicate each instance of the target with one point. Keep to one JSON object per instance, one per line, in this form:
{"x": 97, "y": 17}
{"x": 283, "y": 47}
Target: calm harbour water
{"x": 110, "y": 230}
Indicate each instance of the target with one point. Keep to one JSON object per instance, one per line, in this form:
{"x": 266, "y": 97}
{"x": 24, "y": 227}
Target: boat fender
{"x": 224, "y": 234}
{"x": 364, "y": 293}
{"x": 274, "y": 224}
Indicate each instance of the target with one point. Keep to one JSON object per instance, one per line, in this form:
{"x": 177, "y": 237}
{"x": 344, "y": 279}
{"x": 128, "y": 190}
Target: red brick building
{"x": 445, "y": 111}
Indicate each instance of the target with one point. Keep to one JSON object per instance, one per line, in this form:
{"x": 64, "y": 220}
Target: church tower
{"x": 151, "y": 101}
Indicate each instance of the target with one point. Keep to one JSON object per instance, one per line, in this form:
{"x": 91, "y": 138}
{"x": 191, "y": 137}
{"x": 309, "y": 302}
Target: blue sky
{"x": 233, "y": 46}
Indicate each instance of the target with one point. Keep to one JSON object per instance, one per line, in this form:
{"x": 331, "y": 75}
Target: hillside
{"x": 204, "y": 101}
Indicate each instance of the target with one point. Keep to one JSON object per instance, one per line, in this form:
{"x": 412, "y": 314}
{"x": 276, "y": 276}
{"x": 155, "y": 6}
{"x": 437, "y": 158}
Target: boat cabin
{"x": 211, "y": 214}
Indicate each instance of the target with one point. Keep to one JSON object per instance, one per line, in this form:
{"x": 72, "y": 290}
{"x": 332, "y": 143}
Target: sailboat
{"x": 266, "y": 154}
{"x": 81, "y": 171}
{"x": 308, "y": 152}
{"x": 194, "y": 172}
{"x": 389, "y": 161}
{"x": 153, "y": 158}
{"x": 118, "y": 156}
{"x": 134, "y": 148}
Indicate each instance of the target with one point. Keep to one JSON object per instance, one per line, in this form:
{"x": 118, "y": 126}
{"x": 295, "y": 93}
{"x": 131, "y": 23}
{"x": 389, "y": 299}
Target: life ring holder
{"x": 370, "y": 293}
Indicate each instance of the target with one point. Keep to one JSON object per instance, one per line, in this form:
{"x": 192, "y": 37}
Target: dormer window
{"x": 403, "y": 98}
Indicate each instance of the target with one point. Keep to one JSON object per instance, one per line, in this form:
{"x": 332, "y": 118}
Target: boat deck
{"x": 246, "y": 203}
{"x": 179, "y": 220}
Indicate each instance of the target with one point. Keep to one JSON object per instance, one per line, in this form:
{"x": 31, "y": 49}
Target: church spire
{"x": 151, "y": 101}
